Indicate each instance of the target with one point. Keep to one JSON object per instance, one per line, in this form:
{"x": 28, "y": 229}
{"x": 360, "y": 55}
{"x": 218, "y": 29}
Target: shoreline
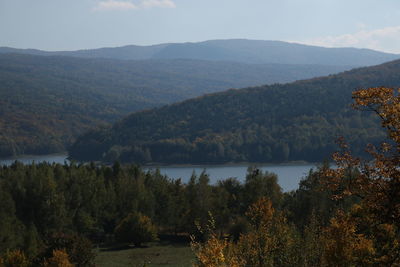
{"x": 46, "y": 157}
{"x": 233, "y": 164}
{"x": 28, "y": 156}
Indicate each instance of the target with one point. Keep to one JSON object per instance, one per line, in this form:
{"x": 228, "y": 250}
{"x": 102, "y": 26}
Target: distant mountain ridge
{"x": 276, "y": 123}
{"x": 47, "y": 101}
{"x": 237, "y": 50}
{"x": 48, "y": 98}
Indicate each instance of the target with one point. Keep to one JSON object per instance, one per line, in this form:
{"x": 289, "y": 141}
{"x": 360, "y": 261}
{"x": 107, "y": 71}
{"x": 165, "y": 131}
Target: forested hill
{"x": 46, "y": 102}
{"x": 238, "y": 50}
{"x": 297, "y": 121}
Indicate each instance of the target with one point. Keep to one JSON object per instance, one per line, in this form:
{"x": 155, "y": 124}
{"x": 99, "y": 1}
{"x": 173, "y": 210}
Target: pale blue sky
{"x": 81, "y": 24}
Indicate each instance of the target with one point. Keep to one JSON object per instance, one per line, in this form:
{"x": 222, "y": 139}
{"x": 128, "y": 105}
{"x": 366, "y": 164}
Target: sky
{"x": 85, "y": 24}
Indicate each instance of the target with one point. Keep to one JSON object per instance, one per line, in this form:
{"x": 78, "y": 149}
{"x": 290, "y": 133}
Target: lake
{"x": 289, "y": 175}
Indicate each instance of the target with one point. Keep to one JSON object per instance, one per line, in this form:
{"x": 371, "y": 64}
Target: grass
{"x": 163, "y": 253}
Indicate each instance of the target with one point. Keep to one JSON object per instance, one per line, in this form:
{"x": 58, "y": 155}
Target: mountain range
{"x": 275, "y": 123}
{"x": 47, "y": 99}
{"x": 237, "y": 50}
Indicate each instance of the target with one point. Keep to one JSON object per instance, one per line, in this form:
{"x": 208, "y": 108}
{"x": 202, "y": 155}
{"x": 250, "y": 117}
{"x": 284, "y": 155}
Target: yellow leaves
{"x": 59, "y": 259}
{"x": 211, "y": 253}
{"x": 370, "y": 233}
{"x": 343, "y": 245}
{"x": 375, "y": 95}
{"x": 215, "y": 252}
{"x": 372, "y": 182}
{"x": 14, "y": 258}
{"x": 261, "y": 212}
{"x": 268, "y": 243}
{"x": 256, "y": 248}
{"x": 386, "y": 103}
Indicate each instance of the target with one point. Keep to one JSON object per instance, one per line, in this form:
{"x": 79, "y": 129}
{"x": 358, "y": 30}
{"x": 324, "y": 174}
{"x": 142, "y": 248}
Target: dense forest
{"x": 347, "y": 216}
{"x": 297, "y": 121}
{"x": 52, "y": 206}
{"x": 237, "y": 50}
{"x": 46, "y": 102}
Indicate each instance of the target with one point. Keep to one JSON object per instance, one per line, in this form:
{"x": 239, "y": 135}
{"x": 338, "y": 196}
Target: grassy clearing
{"x": 162, "y": 253}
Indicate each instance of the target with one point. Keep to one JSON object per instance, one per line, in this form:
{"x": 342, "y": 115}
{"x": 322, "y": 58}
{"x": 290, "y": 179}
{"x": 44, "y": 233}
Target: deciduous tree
{"x": 377, "y": 184}
{"x": 136, "y": 228}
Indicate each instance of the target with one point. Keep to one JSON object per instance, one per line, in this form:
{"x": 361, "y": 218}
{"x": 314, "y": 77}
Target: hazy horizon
{"x": 55, "y": 25}
{"x": 156, "y": 44}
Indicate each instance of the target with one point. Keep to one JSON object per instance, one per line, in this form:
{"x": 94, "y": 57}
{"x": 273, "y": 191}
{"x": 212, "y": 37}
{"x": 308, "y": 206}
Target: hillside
{"x": 238, "y": 50}
{"x": 297, "y": 121}
{"x": 46, "y": 102}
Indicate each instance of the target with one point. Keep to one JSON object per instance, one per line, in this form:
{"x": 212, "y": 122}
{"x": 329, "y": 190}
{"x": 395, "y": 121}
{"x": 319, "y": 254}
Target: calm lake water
{"x": 289, "y": 175}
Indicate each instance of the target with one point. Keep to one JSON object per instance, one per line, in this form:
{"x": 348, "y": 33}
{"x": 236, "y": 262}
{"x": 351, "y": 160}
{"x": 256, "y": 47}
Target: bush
{"x": 135, "y": 228}
{"x": 59, "y": 259}
{"x": 14, "y": 258}
{"x": 78, "y": 248}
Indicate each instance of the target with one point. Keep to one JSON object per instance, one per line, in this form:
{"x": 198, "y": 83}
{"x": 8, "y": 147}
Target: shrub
{"x": 78, "y": 248}
{"x": 136, "y": 228}
{"x": 14, "y": 258}
{"x": 59, "y": 259}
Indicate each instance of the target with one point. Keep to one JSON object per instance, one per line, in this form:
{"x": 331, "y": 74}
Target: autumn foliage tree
{"x": 270, "y": 242}
{"x": 216, "y": 251}
{"x": 377, "y": 183}
{"x": 344, "y": 246}
{"x": 59, "y": 259}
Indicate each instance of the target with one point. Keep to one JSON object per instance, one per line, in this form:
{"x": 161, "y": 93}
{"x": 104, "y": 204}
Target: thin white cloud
{"x": 130, "y": 5}
{"x": 114, "y": 5}
{"x": 361, "y": 26}
{"x": 385, "y": 39}
{"x": 158, "y": 3}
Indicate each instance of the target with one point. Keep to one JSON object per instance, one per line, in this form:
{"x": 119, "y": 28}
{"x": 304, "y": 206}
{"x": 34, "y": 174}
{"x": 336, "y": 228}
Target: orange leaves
{"x": 261, "y": 212}
{"x": 386, "y": 103}
{"x": 372, "y": 183}
{"x": 215, "y": 252}
{"x": 268, "y": 243}
{"x": 343, "y": 245}
{"x": 370, "y": 234}
{"x": 14, "y": 258}
{"x": 59, "y": 259}
{"x": 375, "y": 95}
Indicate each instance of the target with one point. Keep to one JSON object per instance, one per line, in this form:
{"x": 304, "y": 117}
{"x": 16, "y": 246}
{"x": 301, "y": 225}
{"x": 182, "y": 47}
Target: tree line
{"x": 47, "y": 205}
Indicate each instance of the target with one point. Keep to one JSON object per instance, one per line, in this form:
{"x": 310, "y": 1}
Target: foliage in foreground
{"x": 79, "y": 202}
{"x": 378, "y": 182}
{"x": 59, "y": 259}
{"x": 48, "y": 207}
{"x": 366, "y": 234}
